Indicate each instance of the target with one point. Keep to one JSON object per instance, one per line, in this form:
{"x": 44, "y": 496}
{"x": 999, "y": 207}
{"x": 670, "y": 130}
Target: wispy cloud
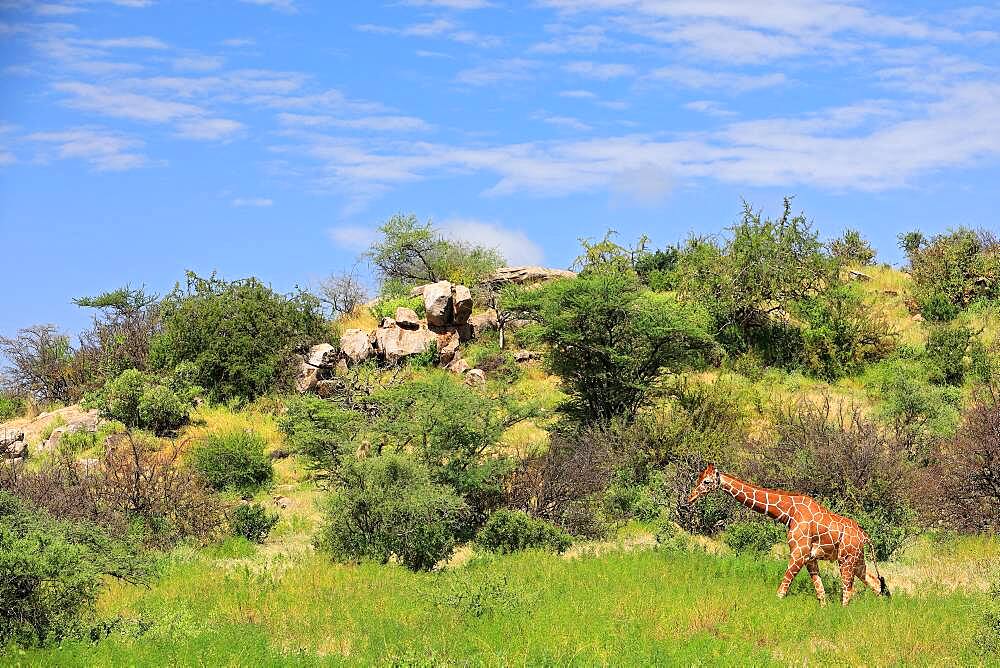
{"x": 102, "y": 149}
{"x": 604, "y": 71}
{"x": 514, "y": 245}
{"x": 375, "y": 123}
{"x": 691, "y": 77}
{"x": 511, "y": 69}
{"x": 258, "y": 202}
{"x": 352, "y": 237}
{"x": 286, "y": 6}
{"x": 438, "y": 28}
{"x": 450, "y": 4}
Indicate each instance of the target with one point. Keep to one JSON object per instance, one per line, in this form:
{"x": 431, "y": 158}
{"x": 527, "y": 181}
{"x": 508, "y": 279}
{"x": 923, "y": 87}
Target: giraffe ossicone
{"x": 814, "y": 532}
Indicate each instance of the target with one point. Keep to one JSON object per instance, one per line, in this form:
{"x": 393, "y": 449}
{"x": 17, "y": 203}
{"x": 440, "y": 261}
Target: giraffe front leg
{"x": 847, "y": 571}
{"x": 813, "y": 568}
{"x": 794, "y": 566}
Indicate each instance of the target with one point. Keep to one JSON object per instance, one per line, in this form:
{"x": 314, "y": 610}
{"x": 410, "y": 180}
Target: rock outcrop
{"x": 356, "y": 345}
{"x": 13, "y": 446}
{"x": 394, "y": 343}
{"x": 407, "y": 318}
{"x": 438, "y": 304}
{"x": 528, "y": 275}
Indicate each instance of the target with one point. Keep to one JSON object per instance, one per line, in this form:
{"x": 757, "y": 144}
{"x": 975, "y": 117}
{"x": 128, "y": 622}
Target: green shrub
{"x": 143, "y": 401}
{"x": 509, "y": 531}
{"x": 671, "y": 537}
{"x": 888, "y": 526}
{"x": 51, "y": 573}
{"x": 386, "y": 308}
{"x": 237, "y": 336}
{"x": 852, "y": 248}
{"x": 252, "y": 521}
{"x": 751, "y": 536}
{"x": 75, "y": 442}
{"x": 987, "y": 638}
{"x": 946, "y": 351}
{"x": 11, "y": 406}
{"x": 937, "y": 307}
{"x": 387, "y": 507}
{"x": 319, "y": 429}
{"x": 234, "y": 461}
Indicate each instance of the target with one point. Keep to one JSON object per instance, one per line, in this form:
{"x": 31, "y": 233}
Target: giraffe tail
{"x": 883, "y": 587}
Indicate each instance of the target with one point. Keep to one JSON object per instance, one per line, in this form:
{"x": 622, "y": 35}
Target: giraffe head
{"x": 707, "y": 481}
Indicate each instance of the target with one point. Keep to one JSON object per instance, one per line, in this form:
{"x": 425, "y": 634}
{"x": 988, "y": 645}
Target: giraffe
{"x": 814, "y": 532}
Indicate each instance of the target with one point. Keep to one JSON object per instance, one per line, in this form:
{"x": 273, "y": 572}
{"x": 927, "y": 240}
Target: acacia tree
{"x": 40, "y": 363}
{"x": 610, "y": 339}
{"x": 413, "y": 253}
{"x": 342, "y": 293}
{"x": 127, "y": 319}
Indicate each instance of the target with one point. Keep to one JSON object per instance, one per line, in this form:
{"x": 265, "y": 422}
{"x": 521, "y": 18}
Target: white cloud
{"x": 120, "y": 104}
{"x": 238, "y": 42}
{"x": 252, "y": 202}
{"x": 374, "y": 123}
{"x": 514, "y": 245}
{"x": 442, "y": 28}
{"x": 353, "y": 237}
{"x": 578, "y": 94}
{"x": 511, "y": 69}
{"x": 209, "y": 129}
{"x": 104, "y": 150}
{"x": 709, "y": 107}
{"x": 198, "y": 63}
{"x": 691, "y": 77}
{"x": 53, "y": 9}
{"x": 286, "y": 6}
{"x": 450, "y": 4}
{"x": 567, "y": 122}
{"x": 602, "y": 71}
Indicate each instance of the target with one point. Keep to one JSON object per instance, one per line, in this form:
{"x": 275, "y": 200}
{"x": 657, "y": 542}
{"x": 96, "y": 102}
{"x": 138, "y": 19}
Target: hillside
{"x": 405, "y": 491}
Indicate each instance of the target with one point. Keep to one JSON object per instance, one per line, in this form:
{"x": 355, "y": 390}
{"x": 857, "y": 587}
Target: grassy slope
{"x": 239, "y": 605}
{"x": 281, "y": 603}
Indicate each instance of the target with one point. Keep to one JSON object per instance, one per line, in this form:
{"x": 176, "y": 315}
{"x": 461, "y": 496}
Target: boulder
{"x": 419, "y": 290}
{"x": 461, "y": 304}
{"x": 356, "y": 344}
{"x": 327, "y": 388}
{"x": 458, "y": 365}
{"x": 475, "y": 377}
{"x": 394, "y": 343}
{"x": 522, "y": 356}
{"x": 447, "y": 347}
{"x": 858, "y": 276}
{"x": 306, "y": 378}
{"x": 322, "y": 355}
{"x": 17, "y": 450}
{"x": 528, "y": 275}
{"x": 438, "y": 304}
{"x": 483, "y": 322}
{"x": 8, "y": 438}
{"x": 407, "y": 318}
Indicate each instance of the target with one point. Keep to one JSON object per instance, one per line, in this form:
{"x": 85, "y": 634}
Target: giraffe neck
{"x": 767, "y": 502}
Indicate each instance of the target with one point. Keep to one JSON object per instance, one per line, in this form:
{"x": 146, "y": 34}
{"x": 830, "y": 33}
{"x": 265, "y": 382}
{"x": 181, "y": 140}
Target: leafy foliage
{"x": 610, "y": 339}
{"x": 127, "y": 319}
{"x": 415, "y": 253}
{"x": 51, "y": 573}
{"x": 143, "y": 401}
{"x": 388, "y": 506}
{"x": 753, "y": 536}
{"x": 509, "y": 531}
{"x": 852, "y": 248}
{"x": 41, "y": 364}
{"x": 450, "y": 428}
{"x": 233, "y": 460}
{"x": 319, "y": 429}
{"x": 238, "y": 336}
{"x": 956, "y": 269}
{"x": 947, "y": 347}
{"x": 252, "y": 521}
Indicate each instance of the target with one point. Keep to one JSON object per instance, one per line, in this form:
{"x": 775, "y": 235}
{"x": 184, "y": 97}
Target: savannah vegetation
{"x": 218, "y": 517}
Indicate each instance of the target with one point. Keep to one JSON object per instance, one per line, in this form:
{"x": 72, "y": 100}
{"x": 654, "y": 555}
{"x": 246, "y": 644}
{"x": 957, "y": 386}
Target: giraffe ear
{"x": 710, "y": 469}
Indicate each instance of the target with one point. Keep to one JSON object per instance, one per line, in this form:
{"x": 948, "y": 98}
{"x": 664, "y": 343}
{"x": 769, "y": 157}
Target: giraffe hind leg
{"x": 794, "y": 566}
{"x": 813, "y": 568}
{"x": 877, "y": 583}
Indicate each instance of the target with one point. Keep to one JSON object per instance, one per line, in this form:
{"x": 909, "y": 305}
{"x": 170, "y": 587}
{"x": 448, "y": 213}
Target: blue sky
{"x": 140, "y": 138}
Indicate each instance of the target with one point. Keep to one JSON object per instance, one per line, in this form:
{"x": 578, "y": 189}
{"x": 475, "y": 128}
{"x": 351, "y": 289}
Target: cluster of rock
{"x": 448, "y": 322}
{"x": 13, "y": 447}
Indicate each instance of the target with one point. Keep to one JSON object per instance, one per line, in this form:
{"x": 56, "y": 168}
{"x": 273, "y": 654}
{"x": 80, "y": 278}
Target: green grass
{"x": 237, "y": 605}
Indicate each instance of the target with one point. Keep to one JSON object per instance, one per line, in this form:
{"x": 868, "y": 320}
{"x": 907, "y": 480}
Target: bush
{"x": 319, "y": 429}
{"x": 937, "y": 307}
{"x": 233, "y": 461}
{"x": 137, "y": 485}
{"x": 953, "y": 270}
{"x": 610, "y": 339}
{"x": 451, "y": 428}
{"x": 11, "y": 406}
{"x": 252, "y": 521}
{"x": 386, "y": 308}
{"x": 753, "y": 536}
{"x": 987, "y": 638}
{"x": 142, "y": 401}
{"x": 509, "y": 531}
{"x": 852, "y": 248}
{"x": 946, "y": 351}
{"x": 239, "y": 337}
{"x": 51, "y": 573}
{"x": 387, "y": 507}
